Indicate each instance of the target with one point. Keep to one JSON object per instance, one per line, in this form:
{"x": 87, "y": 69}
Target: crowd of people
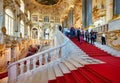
{"x": 80, "y": 34}
{"x": 90, "y": 36}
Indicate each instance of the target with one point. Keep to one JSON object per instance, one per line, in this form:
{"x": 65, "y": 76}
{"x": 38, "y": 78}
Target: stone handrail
{"x": 19, "y": 68}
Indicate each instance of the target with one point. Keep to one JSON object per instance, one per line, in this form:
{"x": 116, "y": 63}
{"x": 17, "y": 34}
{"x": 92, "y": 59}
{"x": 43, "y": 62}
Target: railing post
{"x": 12, "y": 73}
{"x": 40, "y": 60}
{"x": 46, "y": 58}
{"x": 28, "y": 65}
{"x": 34, "y": 63}
{"x": 21, "y": 67}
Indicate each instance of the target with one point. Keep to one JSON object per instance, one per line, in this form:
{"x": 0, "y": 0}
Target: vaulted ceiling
{"x": 58, "y": 8}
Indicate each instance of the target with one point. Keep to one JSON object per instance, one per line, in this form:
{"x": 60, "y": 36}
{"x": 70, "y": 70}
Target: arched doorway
{"x": 46, "y": 28}
{"x": 34, "y": 33}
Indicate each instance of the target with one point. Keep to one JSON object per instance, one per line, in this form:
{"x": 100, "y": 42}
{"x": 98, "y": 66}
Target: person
{"x": 92, "y": 36}
{"x": 78, "y": 34}
{"x": 60, "y": 28}
{"x": 103, "y": 39}
{"x": 87, "y": 36}
{"x": 29, "y": 53}
{"x": 95, "y": 33}
{"x": 82, "y": 33}
{"x": 81, "y": 38}
{"x": 72, "y": 32}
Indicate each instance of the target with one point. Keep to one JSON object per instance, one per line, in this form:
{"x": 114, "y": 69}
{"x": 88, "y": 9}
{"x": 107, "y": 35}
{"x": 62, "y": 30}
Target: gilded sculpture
{"x": 4, "y": 30}
{"x": 6, "y": 38}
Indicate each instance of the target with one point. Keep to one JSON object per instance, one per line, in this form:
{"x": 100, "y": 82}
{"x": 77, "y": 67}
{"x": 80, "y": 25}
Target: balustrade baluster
{"x": 46, "y": 58}
{"x": 21, "y": 67}
{"x": 34, "y": 63}
{"x": 28, "y": 65}
{"x": 40, "y": 60}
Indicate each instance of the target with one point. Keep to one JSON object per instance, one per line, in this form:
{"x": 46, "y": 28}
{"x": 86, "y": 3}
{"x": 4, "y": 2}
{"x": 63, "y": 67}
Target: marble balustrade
{"x": 23, "y": 66}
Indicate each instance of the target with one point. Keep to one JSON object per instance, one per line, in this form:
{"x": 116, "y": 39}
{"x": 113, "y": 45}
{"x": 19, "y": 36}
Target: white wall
{"x": 114, "y": 25}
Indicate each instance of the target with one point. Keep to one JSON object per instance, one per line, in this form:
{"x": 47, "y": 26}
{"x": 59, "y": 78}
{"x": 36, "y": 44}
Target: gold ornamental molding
{"x": 17, "y": 2}
{"x": 113, "y": 39}
{"x": 48, "y": 2}
{"x": 115, "y": 17}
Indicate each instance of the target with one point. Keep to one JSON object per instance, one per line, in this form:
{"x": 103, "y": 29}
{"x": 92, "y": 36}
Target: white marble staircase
{"x": 50, "y": 64}
{"x": 57, "y": 69}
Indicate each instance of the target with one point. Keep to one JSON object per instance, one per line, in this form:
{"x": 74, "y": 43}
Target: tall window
{"x": 57, "y": 20}
{"x": 28, "y": 15}
{"x": 9, "y": 21}
{"x": 46, "y": 19}
{"x": 22, "y": 6}
{"x": 22, "y": 27}
{"x": 29, "y": 31}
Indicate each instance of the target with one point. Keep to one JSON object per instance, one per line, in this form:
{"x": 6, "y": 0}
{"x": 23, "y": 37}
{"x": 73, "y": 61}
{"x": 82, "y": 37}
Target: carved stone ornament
{"x": 20, "y": 35}
{"x": 4, "y": 30}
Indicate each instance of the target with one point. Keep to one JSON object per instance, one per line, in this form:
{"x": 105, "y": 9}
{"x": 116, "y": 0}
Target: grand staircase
{"x": 84, "y": 63}
{"x": 70, "y": 70}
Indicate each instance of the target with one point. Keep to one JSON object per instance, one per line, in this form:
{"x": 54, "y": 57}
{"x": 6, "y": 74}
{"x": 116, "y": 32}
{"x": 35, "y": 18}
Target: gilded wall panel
{"x": 112, "y": 39}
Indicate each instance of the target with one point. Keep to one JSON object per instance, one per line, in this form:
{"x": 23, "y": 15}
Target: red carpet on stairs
{"x": 3, "y": 75}
{"x": 79, "y": 77}
{"x": 91, "y": 76}
{"x": 61, "y": 79}
{"x": 109, "y": 70}
{"x": 69, "y": 78}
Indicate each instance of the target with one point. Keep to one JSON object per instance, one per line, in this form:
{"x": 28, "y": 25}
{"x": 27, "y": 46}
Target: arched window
{"x": 28, "y": 15}
{"x": 22, "y": 27}
{"x": 28, "y": 31}
{"x": 22, "y": 6}
{"x": 9, "y": 21}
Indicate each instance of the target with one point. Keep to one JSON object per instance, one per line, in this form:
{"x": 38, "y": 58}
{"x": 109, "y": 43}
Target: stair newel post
{"x": 40, "y": 60}
{"x": 28, "y": 65}
{"x": 46, "y": 57}
{"x": 12, "y": 73}
{"x": 21, "y": 68}
{"x": 34, "y": 63}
